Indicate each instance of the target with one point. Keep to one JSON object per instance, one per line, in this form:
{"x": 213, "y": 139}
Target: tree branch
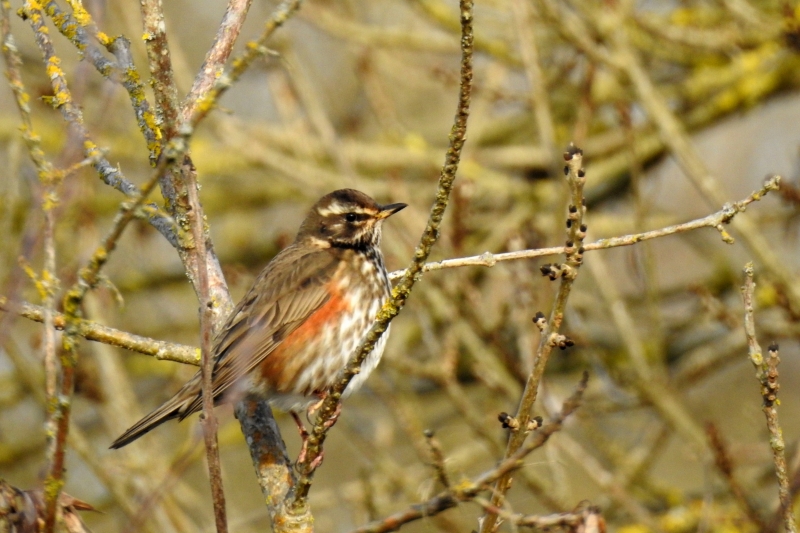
{"x": 403, "y": 289}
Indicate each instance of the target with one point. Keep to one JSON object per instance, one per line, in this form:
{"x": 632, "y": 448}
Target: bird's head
{"x": 346, "y": 218}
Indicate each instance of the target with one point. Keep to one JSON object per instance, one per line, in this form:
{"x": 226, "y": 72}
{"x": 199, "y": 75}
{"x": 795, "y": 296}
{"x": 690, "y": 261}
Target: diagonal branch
{"x": 466, "y": 491}
{"x": 402, "y": 291}
{"x": 205, "y": 101}
{"x": 216, "y": 57}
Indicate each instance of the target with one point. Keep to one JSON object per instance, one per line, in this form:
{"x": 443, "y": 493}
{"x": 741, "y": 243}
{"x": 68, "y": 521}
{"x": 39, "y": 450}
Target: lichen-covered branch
{"x": 79, "y": 28}
{"x": 767, "y": 375}
{"x": 93, "y": 331}
{"x": 160, "y": 65}
{"x": 402, "y": 290}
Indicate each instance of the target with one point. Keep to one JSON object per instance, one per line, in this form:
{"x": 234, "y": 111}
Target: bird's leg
{"x": 327, "y": 424}
{"x": 315, "y": 407}
{"x": 303, "y": 437}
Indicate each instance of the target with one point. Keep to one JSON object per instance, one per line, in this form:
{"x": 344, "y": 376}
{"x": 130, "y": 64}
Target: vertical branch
{"x": 48, "y": 179}
{"x": 207, "y": 368}
{"x": 576, "y": 232}
{"x": 48, "y": 285}
{"x": 88, "y": 278}
{"x": 160, "y": 63}
{"x": 402, "y": 291}
{"x": 767, "y": 375}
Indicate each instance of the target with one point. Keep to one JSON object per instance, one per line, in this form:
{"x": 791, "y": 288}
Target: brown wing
{"x": 285, "y": 294}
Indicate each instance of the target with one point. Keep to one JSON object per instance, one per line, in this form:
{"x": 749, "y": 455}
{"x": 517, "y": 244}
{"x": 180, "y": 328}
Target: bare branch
{"x": 715, "y": 220}
{"x": 767, "y": 375}
{"x": 401, "y": 292}
{"x": 217, "y": 55}
{"x": 576, "y": 232}
{"x": 207, "y": 367}
{"x": 466, "y": 491}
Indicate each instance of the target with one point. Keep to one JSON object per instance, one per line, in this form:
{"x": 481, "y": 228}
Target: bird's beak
{"x": 389, "y": 210}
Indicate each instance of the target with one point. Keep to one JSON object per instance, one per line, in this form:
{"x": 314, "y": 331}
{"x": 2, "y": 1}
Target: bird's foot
{"x": 314, "y": 407}
{"x": 334, "y": 417}
{"x": 317, "y": 461}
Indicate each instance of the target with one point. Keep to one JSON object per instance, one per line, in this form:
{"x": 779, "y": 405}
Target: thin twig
{"x": 767, "y": 375}
{"x": 466, "y": 491}
{"x": 437, "y": 458}
{"x": 550, "y": 337}
{"x": 207, "y": 368}
{"x": 571, "y": 520}
{"x": 715, "y": 220}
{"x": 403, "y": 289}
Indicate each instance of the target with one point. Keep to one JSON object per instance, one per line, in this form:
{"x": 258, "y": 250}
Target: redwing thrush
{"x": 302, "y": 319}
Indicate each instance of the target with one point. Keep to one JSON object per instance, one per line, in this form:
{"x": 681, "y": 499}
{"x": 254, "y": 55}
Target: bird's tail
{"x": 179, "y": 406}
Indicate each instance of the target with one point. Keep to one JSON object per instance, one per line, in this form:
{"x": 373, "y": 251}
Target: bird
{"x": 302, "y": 319}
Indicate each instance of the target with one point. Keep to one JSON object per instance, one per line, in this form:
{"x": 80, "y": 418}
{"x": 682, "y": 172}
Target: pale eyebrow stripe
{"x": 339, "y": 209}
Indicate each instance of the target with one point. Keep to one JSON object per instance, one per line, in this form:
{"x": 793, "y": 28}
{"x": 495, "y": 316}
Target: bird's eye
{"x": 351, "y": 217}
